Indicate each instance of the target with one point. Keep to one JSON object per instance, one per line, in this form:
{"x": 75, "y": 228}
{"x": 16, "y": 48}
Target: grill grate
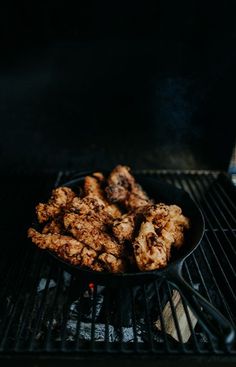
{"x": 44, "y": 309}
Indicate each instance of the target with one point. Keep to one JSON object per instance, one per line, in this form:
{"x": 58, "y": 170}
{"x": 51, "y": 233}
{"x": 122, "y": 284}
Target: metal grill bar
{"x": 134, "y": 320}
{"x": 53, "y": 318}
{"x": 148, "y": 320}
{"x": 192, "y": 188}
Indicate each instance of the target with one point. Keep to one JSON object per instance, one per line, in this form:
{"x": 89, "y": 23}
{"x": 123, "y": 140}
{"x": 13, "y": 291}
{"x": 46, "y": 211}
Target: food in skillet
{"x": 112, "y": 226}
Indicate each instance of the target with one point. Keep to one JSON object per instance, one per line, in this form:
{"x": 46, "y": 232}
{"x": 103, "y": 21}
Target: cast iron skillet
{"x": 209, "y": 317}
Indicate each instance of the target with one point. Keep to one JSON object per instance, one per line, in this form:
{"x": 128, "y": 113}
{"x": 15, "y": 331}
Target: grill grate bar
{"x": 93, "y": 315}
{"x": 202, "y": 279}
{"x": 148, "y": 320}
{"x": 28, "y": 306}
{"x": 220, "y": 267}
{"x": 226, "y": 307}
{"x": 221, "y": 213}
{"x": 224, "y": 193}
{"x": 121, "y": 296}
{"x": 65, "y": 313}
{"x": 215, "y": 217}
{"x": 78, "y": 325}
{"x": 215, "y": 236}
{"x": 214, "y": 189}
{"x": 51, "y": 311}
{"x": 134, "y": 323}
{"x": 41, "y": 312}
{"x": 107, "y": 304}
{"x": 12, "y": 313}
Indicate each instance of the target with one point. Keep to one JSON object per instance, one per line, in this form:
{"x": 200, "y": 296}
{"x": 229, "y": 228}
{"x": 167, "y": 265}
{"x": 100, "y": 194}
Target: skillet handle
{"x": 208, "y": 316}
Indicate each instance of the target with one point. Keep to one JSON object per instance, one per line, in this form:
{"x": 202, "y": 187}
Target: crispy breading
{"x": 60, "y": 200}
{"x": 149, "y": 249}
{"x": 123, "y": 227}
{"x": 93, "y": 188}
{"x": 158, "y": 214}
{"x": 65, "y": 246}
{"x": 92, "y": 206}
{"x": 163, "y": 227}
{"x": 89, "y": 230}
{"x": 122, "y": 188}
{"x": 177, "y": 224}
{"x": 112, "y": 263}
{"x": 54, "y": 226}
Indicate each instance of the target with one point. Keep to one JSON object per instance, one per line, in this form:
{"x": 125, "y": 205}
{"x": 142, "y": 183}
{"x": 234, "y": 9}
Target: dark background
{"x": 151, "y": 85}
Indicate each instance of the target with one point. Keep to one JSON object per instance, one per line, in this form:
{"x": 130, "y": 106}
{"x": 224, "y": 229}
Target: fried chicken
{"x": 88, "y": 229}
{"x": 111, "y": 225}
{"x": 177, "y": 224}
{"x": 90, "y": 205}
{"x": 54, "y": 226}
{"x": 65, "y": 246}
{"x": 123, "y": 227}
{"x": 149, "y": 249}
{"x": 163, "y": 227}
{"x": 92, "y": 188}
{"x": 122, "y": 188}
{"x": 76, "y": 252}
{"x": 157, "y": 214}
{"x": 112, "y": 263}
{"x": 60, "y": 200}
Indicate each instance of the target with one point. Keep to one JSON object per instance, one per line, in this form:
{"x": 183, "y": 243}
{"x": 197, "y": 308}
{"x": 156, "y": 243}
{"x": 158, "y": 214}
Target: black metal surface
{"x": 44, "y": 310}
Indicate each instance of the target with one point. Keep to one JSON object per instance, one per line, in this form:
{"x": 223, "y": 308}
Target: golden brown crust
{"x": 163, "y": 228}
{"x": 54, "y": 226}
{"x": 150, "y": 251}
{"x": 122, "y": 188}
{"x": 123, "y": 227}
{"x": 60, "y": 199}
{"x": 91, "y": 230}
{"x": 111, "y": 263}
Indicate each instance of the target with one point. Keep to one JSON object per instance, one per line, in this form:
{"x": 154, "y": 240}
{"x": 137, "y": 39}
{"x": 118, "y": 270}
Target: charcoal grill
{"x": 46, "y": 312}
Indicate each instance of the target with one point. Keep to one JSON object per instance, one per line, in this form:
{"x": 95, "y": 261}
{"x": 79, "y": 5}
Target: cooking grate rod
{"x": 208, "y": 241}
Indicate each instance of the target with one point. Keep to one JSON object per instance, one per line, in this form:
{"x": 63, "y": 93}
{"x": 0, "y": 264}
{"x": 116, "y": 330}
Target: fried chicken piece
{"x": 122, "y": 188}
{"x": 157, "y": 214}
{"x": 123, "y": 227}
{"x": 65, "y": 246}
{"x": 92, "y": 206}
{"x": 87, "y": 205}
{"x": 164, "y": 227}
{"x": 88, "y": 256}
{"x": 177, "y": 224}
{"x": 55, "y": 226}
{"x": 88, "y": 229}
{"x": 60, "y": 200}
{"x": 96, "y": 266}
{"x": 112, "y": 263}
{"x": 170, "y": 218}
{"x": 150, "y": 249}
{"x": 92, "y": 188}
